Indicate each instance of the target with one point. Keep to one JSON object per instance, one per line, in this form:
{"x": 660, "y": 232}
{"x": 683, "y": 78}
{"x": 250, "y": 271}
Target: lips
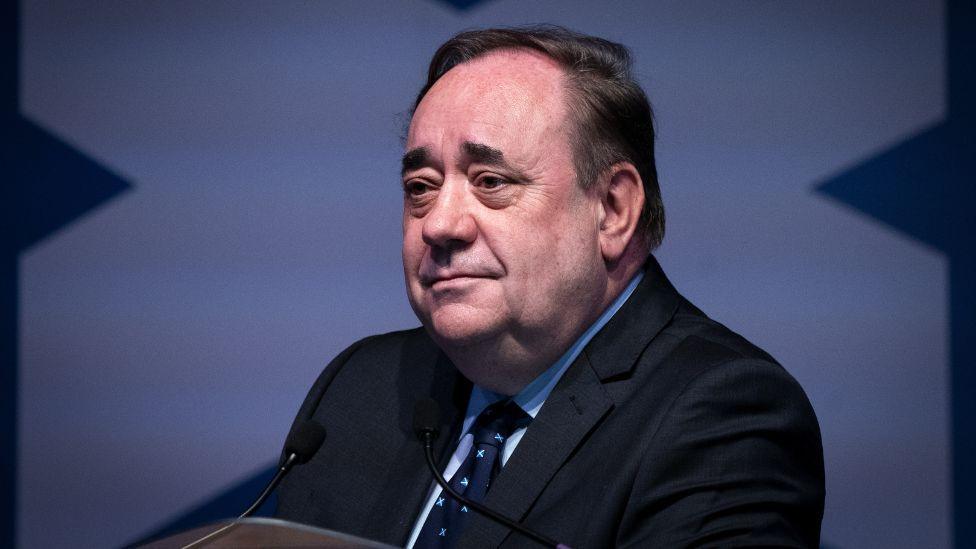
{"x": 429, "y": 281}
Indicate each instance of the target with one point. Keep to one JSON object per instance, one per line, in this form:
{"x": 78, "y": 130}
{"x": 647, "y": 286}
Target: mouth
{"x": 443, "y": 282}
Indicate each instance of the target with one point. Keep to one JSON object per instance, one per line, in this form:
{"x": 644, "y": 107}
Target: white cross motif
{"x": 443, "y": 532}
{"x": 464, "y": 508}
{"x": 440, "y": 502}
{"x": 499, "y": 437}
{"x": 464, "y": 481}
{"x": 481, "y": 453}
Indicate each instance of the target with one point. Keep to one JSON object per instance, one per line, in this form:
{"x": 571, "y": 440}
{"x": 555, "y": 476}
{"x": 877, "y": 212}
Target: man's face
{"x": 500, "y": 244}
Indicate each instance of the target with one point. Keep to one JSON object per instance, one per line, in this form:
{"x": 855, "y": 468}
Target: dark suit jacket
{"x": 668, "y": 430}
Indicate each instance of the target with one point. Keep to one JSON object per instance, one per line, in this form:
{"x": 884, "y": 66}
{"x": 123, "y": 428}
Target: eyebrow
{"x": 413, "y": 159}
{"x": 476, "y": 152}
{"x": 484, "y": 154}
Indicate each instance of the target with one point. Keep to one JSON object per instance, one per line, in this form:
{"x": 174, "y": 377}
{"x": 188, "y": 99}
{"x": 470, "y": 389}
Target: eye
{"x": 490, "y": 182}
{"x": 415, "y": 187}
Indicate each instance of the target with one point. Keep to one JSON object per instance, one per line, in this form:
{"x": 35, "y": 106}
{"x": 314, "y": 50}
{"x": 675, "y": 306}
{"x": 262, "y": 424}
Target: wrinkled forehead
{"x": 511, "y": 94}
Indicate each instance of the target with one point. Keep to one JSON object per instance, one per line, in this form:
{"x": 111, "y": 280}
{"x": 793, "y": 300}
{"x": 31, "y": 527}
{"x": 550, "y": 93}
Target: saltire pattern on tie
{"x": 491, "y": 429}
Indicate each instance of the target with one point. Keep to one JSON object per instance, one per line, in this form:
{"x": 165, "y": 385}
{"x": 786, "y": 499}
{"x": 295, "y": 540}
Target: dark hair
{"x": 612, "y": 118}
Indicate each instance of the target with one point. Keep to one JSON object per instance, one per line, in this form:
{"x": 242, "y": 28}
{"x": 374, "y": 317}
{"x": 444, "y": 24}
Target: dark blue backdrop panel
{"x": 924, "y": 188}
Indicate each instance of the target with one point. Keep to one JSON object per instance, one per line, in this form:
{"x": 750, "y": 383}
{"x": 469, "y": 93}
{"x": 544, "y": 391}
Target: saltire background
{"x": 201, "y": 207}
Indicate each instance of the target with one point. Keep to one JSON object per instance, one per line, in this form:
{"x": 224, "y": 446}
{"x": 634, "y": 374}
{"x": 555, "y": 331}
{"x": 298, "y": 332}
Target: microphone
{"x": 426, "y": 416}
{"x": 299, "y": 448}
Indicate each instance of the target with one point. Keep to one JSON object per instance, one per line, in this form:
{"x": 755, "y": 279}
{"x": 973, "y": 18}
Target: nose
{"x": 449, "y": 224}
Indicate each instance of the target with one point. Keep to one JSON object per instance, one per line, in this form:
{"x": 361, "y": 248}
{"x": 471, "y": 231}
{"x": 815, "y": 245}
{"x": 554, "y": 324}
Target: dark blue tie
{"x": 491, "y": 429}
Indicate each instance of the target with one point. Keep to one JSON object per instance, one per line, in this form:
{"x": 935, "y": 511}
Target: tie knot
{"x": 497, "y": 422}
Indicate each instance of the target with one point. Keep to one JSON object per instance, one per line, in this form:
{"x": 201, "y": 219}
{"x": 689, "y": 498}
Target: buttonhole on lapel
{"x": 572, "y": 400}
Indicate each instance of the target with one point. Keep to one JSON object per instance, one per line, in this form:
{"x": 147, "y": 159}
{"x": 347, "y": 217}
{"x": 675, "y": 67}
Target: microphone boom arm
{"x": 282, "y": 471}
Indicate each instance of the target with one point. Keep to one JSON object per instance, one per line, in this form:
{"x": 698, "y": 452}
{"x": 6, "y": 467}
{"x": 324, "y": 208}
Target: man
{"x": 531, "y": 206}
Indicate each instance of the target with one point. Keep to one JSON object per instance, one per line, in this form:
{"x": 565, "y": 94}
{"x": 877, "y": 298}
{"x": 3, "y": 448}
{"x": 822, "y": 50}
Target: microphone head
{"x": 426, "y": 418}
{"x": 305, "y": 441}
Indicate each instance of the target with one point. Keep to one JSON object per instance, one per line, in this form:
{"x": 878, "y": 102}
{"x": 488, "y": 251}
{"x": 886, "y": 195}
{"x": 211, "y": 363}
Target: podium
{"x": 260, "y": 532}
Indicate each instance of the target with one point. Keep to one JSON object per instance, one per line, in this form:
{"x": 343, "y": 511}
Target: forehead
{"x": 507, "y": 95}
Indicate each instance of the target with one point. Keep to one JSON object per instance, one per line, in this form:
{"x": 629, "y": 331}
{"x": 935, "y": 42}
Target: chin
{"x": 461, "y": 326}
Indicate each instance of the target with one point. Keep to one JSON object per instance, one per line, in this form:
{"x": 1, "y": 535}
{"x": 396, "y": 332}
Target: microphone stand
{"x": 282, "y": 471}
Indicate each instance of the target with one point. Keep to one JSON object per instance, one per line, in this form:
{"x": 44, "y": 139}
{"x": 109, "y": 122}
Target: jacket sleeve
{"x": 736, "y": 462}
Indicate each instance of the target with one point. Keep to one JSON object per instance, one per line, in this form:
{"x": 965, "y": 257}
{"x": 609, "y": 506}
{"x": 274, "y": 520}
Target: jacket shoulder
{"x": 709, "y": 340}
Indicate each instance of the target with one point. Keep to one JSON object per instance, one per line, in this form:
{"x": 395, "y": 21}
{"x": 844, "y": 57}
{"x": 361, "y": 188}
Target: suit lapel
{"x": 574, "y": 407}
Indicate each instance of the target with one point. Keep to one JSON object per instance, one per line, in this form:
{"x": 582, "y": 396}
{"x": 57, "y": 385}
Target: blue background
{"x": 203, "y": 207}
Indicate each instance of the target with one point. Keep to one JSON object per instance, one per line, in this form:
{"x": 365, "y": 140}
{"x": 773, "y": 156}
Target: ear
{"x": 622, "y": 199}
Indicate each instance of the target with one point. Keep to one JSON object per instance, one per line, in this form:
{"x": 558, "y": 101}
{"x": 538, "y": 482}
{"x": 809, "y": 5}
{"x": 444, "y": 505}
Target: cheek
{"x": 564, "y": 253}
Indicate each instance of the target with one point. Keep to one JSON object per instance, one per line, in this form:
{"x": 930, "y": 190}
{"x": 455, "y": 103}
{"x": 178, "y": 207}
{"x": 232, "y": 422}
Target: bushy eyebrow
{"x": 483, "y": 154}
{"x": 419, "y": 157}
{"x": 414, "y": 159}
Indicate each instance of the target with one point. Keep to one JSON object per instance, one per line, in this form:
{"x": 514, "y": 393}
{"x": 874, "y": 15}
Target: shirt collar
{"x": 533, "y": 395}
